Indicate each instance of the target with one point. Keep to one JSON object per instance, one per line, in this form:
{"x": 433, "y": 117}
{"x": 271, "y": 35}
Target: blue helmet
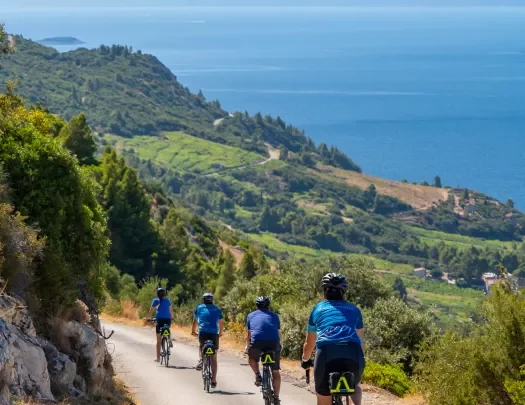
{"x": 262, "y": 302}
{"x": 207, "y": 298}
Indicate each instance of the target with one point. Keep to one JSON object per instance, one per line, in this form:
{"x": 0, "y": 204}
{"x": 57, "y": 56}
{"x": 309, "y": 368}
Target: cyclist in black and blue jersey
{"x": 163, "y": 314}
{"x": 336, "y": 329}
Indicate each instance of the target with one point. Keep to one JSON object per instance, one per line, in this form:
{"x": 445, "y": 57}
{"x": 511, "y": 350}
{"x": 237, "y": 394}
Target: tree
{"x": 4, "y": 42}
{"x": 226, "y": 277}
{"x": 437, "y": 182}
{"x": 509, "y": 203}
{"x": 248, "y": 268}
{"x": 466, "y": 194}
{"x": 284, "y": 153}
{"x": 55, "y": 194}
{"x": 399, "y": 286}
{"x": 485, "y": 367}
{"x": 78, "y": 138}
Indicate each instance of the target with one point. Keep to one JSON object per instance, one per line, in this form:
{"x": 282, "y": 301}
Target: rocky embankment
{"x": 75, "y": 364}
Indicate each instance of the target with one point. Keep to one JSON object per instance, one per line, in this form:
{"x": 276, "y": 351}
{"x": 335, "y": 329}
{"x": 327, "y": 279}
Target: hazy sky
{"x": 220, "y": 3}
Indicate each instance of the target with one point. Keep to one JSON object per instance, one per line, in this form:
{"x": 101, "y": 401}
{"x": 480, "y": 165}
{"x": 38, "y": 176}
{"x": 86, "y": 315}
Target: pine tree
{"x": 437, "y": 182}
{"x": 227, "y": 276}
{"x": 399, "y": 286}
{"x": 248, "y": 268}
{"x": 78, "y": 138}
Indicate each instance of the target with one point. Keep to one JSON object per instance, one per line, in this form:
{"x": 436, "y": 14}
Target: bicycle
{"x": 267, "y": 359}
{"x": 164, "y": 343}
{"x": 342, "y": 385}
{"x": 208, "y": 350}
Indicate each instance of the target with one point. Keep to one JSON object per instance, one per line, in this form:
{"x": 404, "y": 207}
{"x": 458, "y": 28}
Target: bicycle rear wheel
{"x": 267, "y": 388}
{"x": 206, "y": 373}
{"x": 165, "y": 351}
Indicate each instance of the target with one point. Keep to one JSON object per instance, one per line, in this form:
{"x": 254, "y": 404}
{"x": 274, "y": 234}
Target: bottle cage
{"x": 209, "y": 348}
{"x": 342, "y": 383}
{"x": 268, "y": 358}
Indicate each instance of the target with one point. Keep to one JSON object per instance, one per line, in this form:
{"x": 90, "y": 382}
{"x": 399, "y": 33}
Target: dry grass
{"x": 129, "y": 310}
{"x": 122, "y": 321}
{"x": 116, "y": 394}
{"x": 419, "y": 197}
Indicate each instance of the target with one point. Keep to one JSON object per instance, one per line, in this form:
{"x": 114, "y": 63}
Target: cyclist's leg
{"x": 214, "y": 363}
{"x": 357, "y": 397}
{"x": 321, "y": 373}
{"x": 254, "y": 357}
{"x": 276, "y": 373}
{"x": 157, "y": 331}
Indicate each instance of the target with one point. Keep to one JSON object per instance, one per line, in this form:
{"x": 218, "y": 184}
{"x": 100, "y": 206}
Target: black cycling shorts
{"x": 214, "y": 337}
{"x": 337, "y": 358}
{"x": 256, "y": 349}
{"x": 160, "y": 324}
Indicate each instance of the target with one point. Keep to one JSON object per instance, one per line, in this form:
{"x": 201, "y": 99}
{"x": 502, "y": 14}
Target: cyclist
{"x": 163, "y": 314}
{"x": 336, "y": 328}
{"x": 264, "y": 333}
{"x": 211, "y": 327}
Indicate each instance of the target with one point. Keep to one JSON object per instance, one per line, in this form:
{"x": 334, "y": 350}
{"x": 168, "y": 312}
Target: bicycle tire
{"x": 206, "y": 373}
{"x": 164, "y": 352}
{"x": 267, "y": 387}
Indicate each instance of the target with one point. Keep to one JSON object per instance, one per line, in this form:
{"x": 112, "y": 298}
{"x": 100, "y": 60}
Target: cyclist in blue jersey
{"x": 163, "y": 314}
{"x": 210, "y": 321}
{"x": 264, "y": 333}
{"x": 336, "y": 329}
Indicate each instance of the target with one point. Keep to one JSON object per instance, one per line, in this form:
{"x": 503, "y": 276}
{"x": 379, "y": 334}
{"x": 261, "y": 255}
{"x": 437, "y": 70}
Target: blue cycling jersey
{"x": 335, "y": 322}
{"x": 162, "y": 307}
{"x": 208, "y": 316}
{"x": 263, "y": 324}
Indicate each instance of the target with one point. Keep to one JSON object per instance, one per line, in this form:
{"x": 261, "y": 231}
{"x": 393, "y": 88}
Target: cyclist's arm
{"x": 309, "y": 345}
{"x": 248, "y": 337}
{"x": 150, "y": 311}
{"x": 194, "y": 326}
{"x": 171, "y": 313}
{"x": 361, "y": 333}
{"x": 221, "y": 327}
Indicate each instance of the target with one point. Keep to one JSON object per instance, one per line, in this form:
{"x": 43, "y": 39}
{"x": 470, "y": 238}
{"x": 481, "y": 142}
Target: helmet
{"x": 335, "y": 281}
{"x": 207, "y": 298}
{"x": 161, "y": 292}
{"x": 262, "y": 302}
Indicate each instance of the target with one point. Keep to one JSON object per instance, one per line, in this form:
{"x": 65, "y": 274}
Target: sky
{"x": 221, "y": 3}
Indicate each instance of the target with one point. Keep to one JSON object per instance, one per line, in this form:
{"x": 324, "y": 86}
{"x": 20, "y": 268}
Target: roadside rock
{"x": 23, "y": 364}
{"x": 14, "y": 312}
{"x": 62, "y": 371}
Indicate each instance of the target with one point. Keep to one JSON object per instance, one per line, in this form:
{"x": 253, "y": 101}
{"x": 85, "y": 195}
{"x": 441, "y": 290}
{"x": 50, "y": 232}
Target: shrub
{"x": 294, "y": 318}
{"x": 389, "y": 377}
{"x": 113, "y": 307}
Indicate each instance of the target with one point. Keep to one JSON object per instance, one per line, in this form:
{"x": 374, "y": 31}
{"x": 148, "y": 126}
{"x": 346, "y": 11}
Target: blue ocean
{"x": 407, "y": 93}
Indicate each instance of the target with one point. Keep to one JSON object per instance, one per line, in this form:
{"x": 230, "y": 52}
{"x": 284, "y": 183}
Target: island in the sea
{"x": 61, "y": 41}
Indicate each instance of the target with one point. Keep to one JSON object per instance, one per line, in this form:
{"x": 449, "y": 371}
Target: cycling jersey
{"x": 335, "y": 322}
{"x": 208, "y": 316}
{"x": 263, "y": 325}
{"x": 162, "y": 307}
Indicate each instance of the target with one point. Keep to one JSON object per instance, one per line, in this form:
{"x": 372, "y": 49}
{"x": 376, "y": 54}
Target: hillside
{"x": 258, "y": 176}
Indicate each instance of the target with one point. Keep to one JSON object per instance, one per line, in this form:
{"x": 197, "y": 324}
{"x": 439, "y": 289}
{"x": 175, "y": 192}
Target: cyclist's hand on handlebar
{"x": 307, "y": 364}
{"x": 193, "y": 333}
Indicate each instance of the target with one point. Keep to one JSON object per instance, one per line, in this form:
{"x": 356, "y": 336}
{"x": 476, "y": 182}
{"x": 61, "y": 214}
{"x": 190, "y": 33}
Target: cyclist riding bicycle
{"x": 163, "y": 314}
{"x": 336, "y": 328}
{"x": 210, "y": 321}
{"x": 264, "y": 333}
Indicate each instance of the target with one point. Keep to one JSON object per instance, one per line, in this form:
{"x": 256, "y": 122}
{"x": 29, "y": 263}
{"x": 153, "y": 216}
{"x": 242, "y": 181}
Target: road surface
{"x": 181, "y": 384}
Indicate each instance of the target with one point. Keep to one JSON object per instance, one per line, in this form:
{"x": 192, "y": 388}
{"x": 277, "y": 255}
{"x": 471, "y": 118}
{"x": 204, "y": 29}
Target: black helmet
{"x": 161, "y": 292}
{"x": 262, "y": 302}
{"x": 207, "y": 298}
{"x": 335, "y": 281}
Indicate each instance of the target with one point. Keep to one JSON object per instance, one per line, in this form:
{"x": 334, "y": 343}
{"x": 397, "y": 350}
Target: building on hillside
{"x": 511, "y": 218}
{"x": 470, "y": 209}
{"x": 490, "y": 279}
{"x": 420, "y": 272}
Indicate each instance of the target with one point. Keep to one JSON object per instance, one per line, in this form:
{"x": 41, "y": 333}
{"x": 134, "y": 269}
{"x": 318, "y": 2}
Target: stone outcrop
{"x": 33, "y": 367}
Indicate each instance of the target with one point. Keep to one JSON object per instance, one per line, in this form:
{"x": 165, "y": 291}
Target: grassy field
{"x": 302, "y": 252}
{"x": 419, "y": 197}
{"x": 185, "y": 152}
{"x": 434, "y": 237}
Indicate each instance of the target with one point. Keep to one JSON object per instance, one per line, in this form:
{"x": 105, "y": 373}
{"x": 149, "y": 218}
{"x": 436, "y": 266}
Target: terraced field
{"x": 185, "y": 152}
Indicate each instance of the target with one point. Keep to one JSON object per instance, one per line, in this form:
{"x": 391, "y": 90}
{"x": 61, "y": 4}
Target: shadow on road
{"x": 219, "y": 392}
{"x": 182, "y": 368}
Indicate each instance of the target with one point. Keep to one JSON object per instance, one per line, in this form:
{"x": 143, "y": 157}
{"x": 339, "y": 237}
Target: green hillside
{"x": 184, "y": 152}
{"x": 313, "y": 198}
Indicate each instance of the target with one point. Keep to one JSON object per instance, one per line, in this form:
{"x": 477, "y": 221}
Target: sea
{"x": 408, "y": 93}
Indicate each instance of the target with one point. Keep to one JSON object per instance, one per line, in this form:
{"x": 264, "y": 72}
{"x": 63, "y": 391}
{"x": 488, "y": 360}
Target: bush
{"x": 388, "y": 377}
{"x": 113, "y": 307}
{"x": 294, "y": 318}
